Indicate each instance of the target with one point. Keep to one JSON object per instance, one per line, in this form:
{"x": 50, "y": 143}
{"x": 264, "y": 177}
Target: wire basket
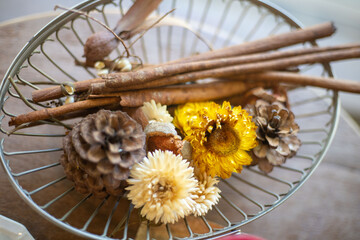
{"x": 30, "y": 156}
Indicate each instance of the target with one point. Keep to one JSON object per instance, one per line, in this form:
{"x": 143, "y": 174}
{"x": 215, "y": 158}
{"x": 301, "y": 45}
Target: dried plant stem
{"x": 167, "y": 95}
{"x": 277, "y": 64}
{"x": 275, "y": 77}
{"x": 182, "y": 93}
{"x": 151, "y": 26}
{"x": 150, "y": 73}
{"x": 118, "y": 80}
{"x": 56, "y": 92}
{"x": 99, "y": 22}
{"x": 268, "y": 43}
{"x": 135, "y": 16}
{"x": 48, "y": 113}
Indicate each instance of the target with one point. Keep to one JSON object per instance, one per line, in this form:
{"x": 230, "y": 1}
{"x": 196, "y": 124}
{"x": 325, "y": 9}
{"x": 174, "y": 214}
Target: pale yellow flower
{"x": 156, "y": 111}
{"x": 207, "y": 194}
{"x": 162, "y": 185}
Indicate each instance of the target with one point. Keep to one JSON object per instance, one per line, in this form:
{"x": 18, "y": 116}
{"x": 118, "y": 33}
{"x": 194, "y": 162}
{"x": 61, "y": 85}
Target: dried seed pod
{"x": 99, "y": 45}
{"x": 163, "y": 141}
{"x": 101, "y": 149}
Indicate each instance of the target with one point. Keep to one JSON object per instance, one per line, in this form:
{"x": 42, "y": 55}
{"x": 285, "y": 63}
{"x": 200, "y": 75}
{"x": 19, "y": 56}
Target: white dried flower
{"x": 156, "y": 111}
{"x": 162, "y": 185}
{"x": 207, "y": 194}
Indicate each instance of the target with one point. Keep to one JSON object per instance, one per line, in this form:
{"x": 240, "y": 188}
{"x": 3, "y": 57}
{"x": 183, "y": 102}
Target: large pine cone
{"x": 276, "y": 134}
{"x": 99, "y": 151}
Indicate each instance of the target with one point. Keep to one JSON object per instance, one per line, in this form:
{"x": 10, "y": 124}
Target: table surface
{"x": 327, "y": 206}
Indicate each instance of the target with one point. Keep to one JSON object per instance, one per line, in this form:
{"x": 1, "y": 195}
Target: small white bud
{"x": 99, "y": 65}
{"x": 69, "y": 99}
{"x": 103, "y": 71}
{"x": 123, "y": 64}
{"x": 126, "y": 68}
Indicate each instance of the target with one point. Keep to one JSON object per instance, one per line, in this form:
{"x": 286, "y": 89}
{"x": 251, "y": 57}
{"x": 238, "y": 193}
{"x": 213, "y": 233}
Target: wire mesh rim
{"x": 66, "y": 16}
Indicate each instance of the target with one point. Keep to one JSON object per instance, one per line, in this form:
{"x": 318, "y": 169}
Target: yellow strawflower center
{"x": 223, "y": 141}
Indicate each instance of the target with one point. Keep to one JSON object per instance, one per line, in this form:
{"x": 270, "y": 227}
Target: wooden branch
{"x": 48, "y": 113}
{"x": 167, "y": 95}
{"x": 46, "y": 94}
{"x": 265, "y": 44}
{"x": 118, "y": 80}
{"x": 223, "y": 72}
{"x": 275, "y": 77}
{"x": 182, "y": 93}
{"x": 268, "y": 43}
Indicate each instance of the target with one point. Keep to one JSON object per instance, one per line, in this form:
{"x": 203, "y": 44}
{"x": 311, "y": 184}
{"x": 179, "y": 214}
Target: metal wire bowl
{"x": 30, "y": 155}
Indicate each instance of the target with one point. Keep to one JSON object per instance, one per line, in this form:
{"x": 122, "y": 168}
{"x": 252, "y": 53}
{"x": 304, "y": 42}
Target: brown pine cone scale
{"x": 276, "y": 134}
{"x": 99, "y": 151}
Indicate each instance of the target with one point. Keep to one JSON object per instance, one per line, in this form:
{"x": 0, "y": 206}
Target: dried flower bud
{"x": 69, "y": 99}
{"x": 123, "y": 64}
{"x": 156, "y": 111}
{"x": 99, "y": 65}
{"x": 103, "y": 72}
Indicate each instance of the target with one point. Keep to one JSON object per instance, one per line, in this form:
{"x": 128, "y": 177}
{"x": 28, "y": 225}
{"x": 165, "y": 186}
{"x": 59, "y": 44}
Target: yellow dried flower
{"x": 156, "y": 111}
{"x": 207, "y": 194}
{"x": 220, "y": 136}
{"x": 162, "y": 185}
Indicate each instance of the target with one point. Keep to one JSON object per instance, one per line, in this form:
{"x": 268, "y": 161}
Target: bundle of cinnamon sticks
{"x": 234, "y": 69}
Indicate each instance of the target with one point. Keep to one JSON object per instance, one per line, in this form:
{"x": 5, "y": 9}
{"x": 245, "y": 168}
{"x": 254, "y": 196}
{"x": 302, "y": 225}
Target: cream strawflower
{"x": 162, "y": 185}
{"x": 207, "y": 194}
{"x": 155, "y": 111}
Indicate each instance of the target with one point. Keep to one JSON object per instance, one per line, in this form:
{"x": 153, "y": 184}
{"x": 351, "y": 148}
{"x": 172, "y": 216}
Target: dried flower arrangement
{"x": 169, "y": 165}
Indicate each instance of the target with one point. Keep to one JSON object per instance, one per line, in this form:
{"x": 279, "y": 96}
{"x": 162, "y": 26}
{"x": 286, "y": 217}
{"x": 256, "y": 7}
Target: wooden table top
{"x": 327, "y": 206}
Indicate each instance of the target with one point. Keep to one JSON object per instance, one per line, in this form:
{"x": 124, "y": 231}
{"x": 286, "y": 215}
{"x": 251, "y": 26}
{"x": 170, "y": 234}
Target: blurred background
{"x": 344, "y": 13}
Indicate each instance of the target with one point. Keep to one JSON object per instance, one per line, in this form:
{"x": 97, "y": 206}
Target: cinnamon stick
{"x": 118, "y": 80}
{"x": 269, "y": 43}
{"x": 277, "y": 64}
{"x": 48, "y": 113}
{"x": 182, "y": 94}
{"x": 265, "y": 44}
{"x": 167, "y": 95}
{"x": 293, "y": 78}
{"x": 46, "y": 94}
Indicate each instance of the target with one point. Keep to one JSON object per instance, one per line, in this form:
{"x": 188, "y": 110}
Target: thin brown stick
{"x": 268, "y": 43}
{"x": 293, "y": 78}
{"x": 118, "y": 80}
{"x": 48, "y": 113}
{"x": 151, "y": 26}
{"x": 182, "y": 94}
{"x": 56, "y": 92}
{"x": 277, "y": 64}
{"x": 99, "y": 86}
{"x": 99, "y": 22}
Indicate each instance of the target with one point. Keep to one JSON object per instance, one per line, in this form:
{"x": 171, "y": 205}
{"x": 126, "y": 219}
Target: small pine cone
{"x": 276, "y": 134}
{"x": 100, "y": 150}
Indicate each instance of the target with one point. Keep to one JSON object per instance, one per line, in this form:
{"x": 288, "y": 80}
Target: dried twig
{"x": 99, "y": 22}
